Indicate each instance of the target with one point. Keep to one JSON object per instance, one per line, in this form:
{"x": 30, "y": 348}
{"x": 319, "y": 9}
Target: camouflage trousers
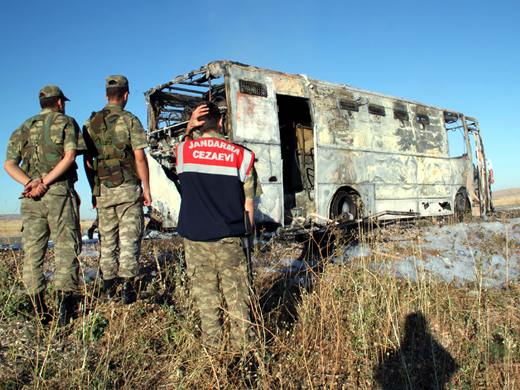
{"x": 57, "y": 217}
{"x": 120, "y": 212}
{"x": 219, "y": 285}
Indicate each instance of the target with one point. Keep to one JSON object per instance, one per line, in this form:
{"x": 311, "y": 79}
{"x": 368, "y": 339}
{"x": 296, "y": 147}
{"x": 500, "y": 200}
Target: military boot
{"x": 67, "y": 306}
{"x": 129, "y": 294}
{"x": 110, "y": 287}
{"x": 40, "y": 308}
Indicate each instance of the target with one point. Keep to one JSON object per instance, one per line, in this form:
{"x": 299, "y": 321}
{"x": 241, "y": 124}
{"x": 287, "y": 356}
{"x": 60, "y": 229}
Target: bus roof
{"x": 217, "y": 69}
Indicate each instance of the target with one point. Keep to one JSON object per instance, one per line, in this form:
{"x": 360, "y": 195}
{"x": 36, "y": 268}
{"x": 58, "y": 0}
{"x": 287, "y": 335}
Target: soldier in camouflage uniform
{"x": 46, "y": 145}
{"x": 218, "y": 187}
{"x": 116, "y": 166}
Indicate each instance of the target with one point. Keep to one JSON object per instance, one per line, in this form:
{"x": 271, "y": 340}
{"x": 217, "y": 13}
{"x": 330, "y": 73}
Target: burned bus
{"x": 324, "y": 151}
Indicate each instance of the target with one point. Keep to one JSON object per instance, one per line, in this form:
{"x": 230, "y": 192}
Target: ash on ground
{"x": 486, "y": 253}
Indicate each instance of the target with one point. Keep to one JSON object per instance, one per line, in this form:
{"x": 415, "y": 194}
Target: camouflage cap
{"x": 116, "y": 81}
{"x": 51, "y": 90}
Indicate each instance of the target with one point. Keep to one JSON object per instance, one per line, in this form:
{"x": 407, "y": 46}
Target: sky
{"x": 462, "y": 55}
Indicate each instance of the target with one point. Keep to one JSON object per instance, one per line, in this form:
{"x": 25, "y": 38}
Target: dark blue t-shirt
{"x": 212, "y": 172}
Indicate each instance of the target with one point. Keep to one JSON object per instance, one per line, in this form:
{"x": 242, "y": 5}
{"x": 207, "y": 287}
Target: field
{"x": 509, "y": 197}
{"x": 11, "y": 228}
{"x": 377, "y": 307}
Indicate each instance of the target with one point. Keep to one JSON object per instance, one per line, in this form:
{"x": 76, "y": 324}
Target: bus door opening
{"x": 297, "y": 150}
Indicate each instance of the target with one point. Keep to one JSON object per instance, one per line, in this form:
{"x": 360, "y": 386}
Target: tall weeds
{"x": 333, "y": 324}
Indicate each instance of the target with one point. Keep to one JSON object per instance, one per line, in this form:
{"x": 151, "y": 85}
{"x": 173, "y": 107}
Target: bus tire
{"x": 346, "y": 205}
{"x": 462, "y": 205}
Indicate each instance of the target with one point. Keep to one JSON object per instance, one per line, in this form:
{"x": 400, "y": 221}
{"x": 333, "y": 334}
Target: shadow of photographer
{"x": 421, "y": 362}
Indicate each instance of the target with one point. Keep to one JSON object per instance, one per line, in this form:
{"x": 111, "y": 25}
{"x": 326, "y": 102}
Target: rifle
{"x": 247, "y": 243}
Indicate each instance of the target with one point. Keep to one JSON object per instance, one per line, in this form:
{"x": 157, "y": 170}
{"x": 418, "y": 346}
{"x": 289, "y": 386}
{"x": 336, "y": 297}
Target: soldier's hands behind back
{"x": 35, "y": 189}
{"x": 39, "y": 191}
{"x": 30, "y": 185}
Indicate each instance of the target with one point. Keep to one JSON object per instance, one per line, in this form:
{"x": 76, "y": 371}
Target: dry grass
{"x": 11, "y": 228}
{"x": 509, "y": 197}
{"x": 353, "y": 328}
{"x": 507, "y": 201}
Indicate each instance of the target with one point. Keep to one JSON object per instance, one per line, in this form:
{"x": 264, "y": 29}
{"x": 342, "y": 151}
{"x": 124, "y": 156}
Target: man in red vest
{"x": 217, "y": 189}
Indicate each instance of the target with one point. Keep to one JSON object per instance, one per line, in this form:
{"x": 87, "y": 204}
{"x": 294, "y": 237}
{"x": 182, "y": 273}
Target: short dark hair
{"x": 211, "y": 118}
{"x": 116, "y": 93}
{"x": 49, "y": 102}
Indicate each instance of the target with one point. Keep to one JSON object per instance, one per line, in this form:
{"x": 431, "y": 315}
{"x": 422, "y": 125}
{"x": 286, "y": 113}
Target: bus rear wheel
{"x": 345, "y": 206}
{"x": 462, "y": 206}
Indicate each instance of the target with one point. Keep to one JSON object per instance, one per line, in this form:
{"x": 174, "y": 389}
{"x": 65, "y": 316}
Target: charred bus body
{"x": 324, "y": 151}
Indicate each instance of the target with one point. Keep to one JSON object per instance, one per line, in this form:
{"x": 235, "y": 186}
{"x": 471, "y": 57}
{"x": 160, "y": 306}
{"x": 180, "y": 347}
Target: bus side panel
{"x": 438, "y": 181}
{"x": 333, "y": 134}
{"x": 461, "y": 175}
{"x": 384, "y": 181}
{"x": 166, "y": 200}
{"x": 254, "y": 124}
{"x": 381, "y": 157}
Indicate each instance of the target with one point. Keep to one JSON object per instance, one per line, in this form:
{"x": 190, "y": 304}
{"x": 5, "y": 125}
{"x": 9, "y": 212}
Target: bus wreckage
{"x": 324, "y": 152}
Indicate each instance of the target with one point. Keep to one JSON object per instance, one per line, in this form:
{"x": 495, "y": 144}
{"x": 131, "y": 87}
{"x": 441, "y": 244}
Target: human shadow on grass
{"x": 420, "y": 363}
{"x": 280, "y": 299}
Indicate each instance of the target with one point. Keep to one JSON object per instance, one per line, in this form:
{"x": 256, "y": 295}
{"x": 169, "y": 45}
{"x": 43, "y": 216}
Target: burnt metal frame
{"x": 202, "y": 78}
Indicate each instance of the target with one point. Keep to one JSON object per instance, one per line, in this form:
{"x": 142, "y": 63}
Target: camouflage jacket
{"x": 112, "y": 135}
{"x": 41, "y": 142}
